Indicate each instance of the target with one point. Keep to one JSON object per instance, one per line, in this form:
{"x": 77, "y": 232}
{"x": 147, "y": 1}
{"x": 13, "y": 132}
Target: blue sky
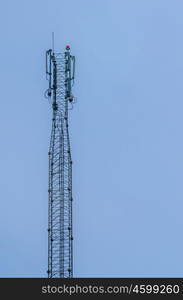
{"x": 126, "y": 134}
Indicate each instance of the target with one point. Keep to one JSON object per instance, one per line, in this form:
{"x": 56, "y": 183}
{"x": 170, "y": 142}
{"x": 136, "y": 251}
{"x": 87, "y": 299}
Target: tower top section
{"x": 60, "y": 65}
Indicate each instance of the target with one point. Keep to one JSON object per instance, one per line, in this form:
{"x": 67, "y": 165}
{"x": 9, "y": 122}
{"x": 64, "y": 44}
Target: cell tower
{"x": 60, "y": 73}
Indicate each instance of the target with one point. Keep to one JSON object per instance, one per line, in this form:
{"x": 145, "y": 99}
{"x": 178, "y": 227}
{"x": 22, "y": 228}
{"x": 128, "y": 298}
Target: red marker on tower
{"x": 67, "y": 47}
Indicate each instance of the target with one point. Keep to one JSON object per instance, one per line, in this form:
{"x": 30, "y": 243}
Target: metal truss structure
{"x": 60, "y": 70}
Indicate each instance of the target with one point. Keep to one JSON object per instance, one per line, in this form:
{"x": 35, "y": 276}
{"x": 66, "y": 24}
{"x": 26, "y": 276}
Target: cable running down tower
{"x": 60, "y": 73}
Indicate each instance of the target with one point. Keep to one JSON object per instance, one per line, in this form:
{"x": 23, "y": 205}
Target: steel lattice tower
{"x": 60, "y": 69}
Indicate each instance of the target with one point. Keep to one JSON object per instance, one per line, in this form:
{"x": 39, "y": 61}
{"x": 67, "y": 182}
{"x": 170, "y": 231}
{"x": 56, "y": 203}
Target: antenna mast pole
{"x": 60, "y": 69}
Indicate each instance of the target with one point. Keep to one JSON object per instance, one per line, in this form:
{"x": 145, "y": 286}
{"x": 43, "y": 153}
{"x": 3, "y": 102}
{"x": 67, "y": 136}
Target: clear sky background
{"x": 126, "y": 133}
